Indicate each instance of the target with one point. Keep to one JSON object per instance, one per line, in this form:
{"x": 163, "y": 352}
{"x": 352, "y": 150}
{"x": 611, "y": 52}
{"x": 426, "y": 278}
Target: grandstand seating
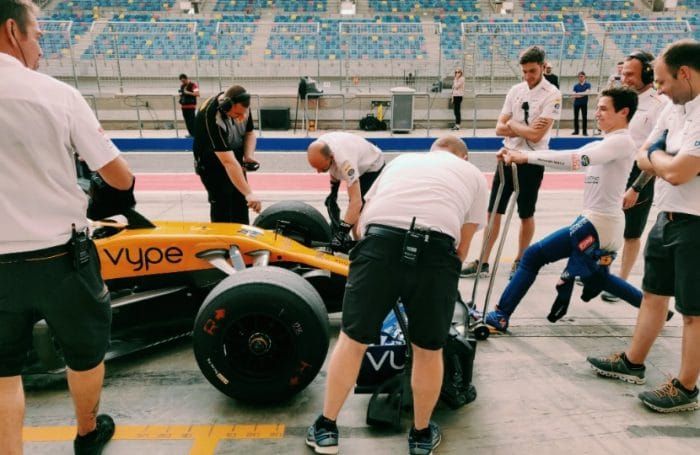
{"x": 566, "y": 5}
{"x": 576, "y": 41}
{"x": 239, "y": 6}
{"x": 163, "y": 44}
{"x": 629, "y": 38}
{"x": 127, "y": 5}
{"x": 403, "y": 6}
{"x": 371, "y": 46}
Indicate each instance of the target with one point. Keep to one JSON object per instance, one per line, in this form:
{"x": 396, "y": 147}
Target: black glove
{"x": 106, "y": 201}
{"x": 341, "y": 240}
{"x": 331, "y": 204}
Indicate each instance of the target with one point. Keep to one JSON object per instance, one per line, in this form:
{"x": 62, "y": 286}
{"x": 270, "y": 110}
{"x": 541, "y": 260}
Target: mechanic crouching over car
{"x": 224, "y": 148}
{"x": 416, "y": 228}
{"x": 356, "y": 161}
{"x": 49, "y": 268}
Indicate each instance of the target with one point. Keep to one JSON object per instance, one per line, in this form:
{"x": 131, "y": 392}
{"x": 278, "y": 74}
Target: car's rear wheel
{"x": 297, "y": 220}
{"x": 261, "y": 335}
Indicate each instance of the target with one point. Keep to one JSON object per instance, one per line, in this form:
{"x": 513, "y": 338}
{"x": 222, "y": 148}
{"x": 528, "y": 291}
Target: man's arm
{"x": 675, "y": 169}
{"x": 465, "y": 239}
{"x": 250, "y": 141}
{"x": 533, "y": 133}
{"x": 502, "y": 128}
{"x": 235, "y": 173}
{"x": 117, "y": 174}
{"x": 352, "y": 214}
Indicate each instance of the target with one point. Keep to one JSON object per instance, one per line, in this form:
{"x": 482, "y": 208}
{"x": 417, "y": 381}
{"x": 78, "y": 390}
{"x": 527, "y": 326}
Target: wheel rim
{"x": 258, "y": 345}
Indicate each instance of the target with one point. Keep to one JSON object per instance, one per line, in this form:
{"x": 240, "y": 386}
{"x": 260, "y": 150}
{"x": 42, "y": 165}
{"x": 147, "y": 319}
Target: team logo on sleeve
{"x": 585, "y": 160}
{"x": 348, "y": 170}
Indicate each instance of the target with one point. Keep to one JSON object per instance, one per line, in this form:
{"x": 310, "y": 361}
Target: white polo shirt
{"x": 650, "y": 106}
{"x": 683, "y": 125}
{"x": 353, "y": 155}
{"x": 543, "y": 101}
{"x": 441, "y": 190}
{"x": 43, "y": 122}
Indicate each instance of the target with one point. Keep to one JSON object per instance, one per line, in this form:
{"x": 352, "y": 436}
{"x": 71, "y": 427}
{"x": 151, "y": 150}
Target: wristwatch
{"x": 636, "y": 188}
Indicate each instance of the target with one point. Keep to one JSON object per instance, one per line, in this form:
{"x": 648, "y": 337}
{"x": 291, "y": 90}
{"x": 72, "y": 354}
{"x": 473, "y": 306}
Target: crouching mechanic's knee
{"x": 533, "y": 259}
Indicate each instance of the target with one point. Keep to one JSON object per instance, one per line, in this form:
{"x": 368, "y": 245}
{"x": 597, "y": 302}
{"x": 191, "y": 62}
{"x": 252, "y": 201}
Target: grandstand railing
{"x": 57, "y": 47}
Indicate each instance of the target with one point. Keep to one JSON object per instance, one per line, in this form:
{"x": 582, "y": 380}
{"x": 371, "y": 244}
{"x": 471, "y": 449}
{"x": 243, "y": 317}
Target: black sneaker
{"x": 614, "y": 366}
{"x": 608, "y": 297}
{"x": 93, "y": 442}
{"x": 424, "y": 442}
{"x": 322, "y": 438}
{"x": 472, "y": 269}
{"x": 670, "y": 397}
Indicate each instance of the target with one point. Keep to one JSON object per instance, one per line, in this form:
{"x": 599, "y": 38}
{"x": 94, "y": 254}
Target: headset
{"x": 227, "y": 103}
{"x": 647, "y": 69}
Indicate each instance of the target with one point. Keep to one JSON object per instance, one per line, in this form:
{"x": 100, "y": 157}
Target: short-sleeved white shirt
{"x": 543, "y": 101}
{"x": 683, "y": 125}
{"x": 650, "y": 106}
{"x": 353, "y": 156}
{"x": 43, "y": 121}
{"x": 442, "y": 191}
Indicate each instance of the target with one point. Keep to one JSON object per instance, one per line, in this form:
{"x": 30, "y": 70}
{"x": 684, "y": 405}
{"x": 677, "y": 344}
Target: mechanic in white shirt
{"x": 351, "y": 159}
{"x": 441, "y": 199}
{"x": 598, "y": 230}
{"x": 672, "y": 264}
{"x": 525, "y": 122}
{"x": 48, "y": 266}
{"x": 638, "y": 74}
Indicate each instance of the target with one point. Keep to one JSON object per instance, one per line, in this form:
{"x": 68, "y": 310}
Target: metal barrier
{"x": 93, "y": 104}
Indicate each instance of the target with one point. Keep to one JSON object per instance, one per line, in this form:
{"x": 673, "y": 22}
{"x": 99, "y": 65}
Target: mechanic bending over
{"x": 525, "y": 122}
{"x": 638, "y": 74}
{"x": 43, "y": 231}
{"x": 592, "y": 239}
{"x": 224, "y": 147}
{"x": 356, "y": 161}
{"x": 417, "y": 225}
{"x": 671, "y": 261}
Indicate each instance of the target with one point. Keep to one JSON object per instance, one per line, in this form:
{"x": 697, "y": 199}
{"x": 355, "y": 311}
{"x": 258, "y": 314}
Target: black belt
{"x": 433, "y": 237}
{"x": 676, "y": 216}
{"x": 36, "y": 255}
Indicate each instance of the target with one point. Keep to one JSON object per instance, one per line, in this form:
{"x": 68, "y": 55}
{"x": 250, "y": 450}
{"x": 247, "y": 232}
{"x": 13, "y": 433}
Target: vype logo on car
{"x": 144, "y": 258}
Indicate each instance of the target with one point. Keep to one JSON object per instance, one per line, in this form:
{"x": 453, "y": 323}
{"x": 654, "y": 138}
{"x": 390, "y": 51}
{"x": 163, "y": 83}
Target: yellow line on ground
{"x": 206, "y": 437}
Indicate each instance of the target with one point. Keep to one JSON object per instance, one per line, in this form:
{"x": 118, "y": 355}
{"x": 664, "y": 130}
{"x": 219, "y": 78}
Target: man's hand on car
{"x": 341, "y": 240}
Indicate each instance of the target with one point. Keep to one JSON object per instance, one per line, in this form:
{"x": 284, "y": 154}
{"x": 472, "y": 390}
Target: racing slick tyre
{"x": 297, "y": 220}
{"x": 261, "y": 335}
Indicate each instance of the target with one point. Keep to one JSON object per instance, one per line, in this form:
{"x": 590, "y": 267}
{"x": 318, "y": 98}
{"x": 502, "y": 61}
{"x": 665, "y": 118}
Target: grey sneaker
{"x": 669, "y": 397}
{"x": 614, "y": 366}
{"x": 424, "y": 444}
{"x": 323, "y": 440}
{"x": 608, "y": 297}
{"x": 472, "y": 268}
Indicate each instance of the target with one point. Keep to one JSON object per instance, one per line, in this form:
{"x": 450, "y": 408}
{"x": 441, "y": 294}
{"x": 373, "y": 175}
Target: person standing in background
{"x": 457, "y": 96}
{"x": 550, "y": 76}
{"x": 582, "y": 89}
{"x": 189, "y": 91}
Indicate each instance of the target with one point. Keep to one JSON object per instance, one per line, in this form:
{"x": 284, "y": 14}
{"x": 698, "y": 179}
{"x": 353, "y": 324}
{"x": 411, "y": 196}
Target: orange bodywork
{"x": 172, "y": 247}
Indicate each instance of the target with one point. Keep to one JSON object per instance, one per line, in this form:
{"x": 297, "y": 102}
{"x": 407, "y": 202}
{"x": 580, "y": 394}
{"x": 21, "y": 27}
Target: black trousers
{"x": 583, "y": 108}
{"x": 189, "y": 115}
{"x": 457, "y": 108}
{"x": 226, "y": 203}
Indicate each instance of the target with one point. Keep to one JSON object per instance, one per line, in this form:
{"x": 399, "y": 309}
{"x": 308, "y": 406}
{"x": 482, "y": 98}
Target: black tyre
{"x": 261, "y": 335}
{"x": 297, "y": 220}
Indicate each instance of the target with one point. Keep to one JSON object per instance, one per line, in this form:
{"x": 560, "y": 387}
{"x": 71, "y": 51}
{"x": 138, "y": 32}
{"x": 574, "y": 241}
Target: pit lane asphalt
{"x": 536, "y": 393}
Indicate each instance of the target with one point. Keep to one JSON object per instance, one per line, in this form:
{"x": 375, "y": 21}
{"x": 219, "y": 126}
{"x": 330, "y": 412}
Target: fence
{"x": 347, "y": 57}
{"x": 610, "y": 42}
{"x": 389, "y": 54}
{"x": 491, "y": 51}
